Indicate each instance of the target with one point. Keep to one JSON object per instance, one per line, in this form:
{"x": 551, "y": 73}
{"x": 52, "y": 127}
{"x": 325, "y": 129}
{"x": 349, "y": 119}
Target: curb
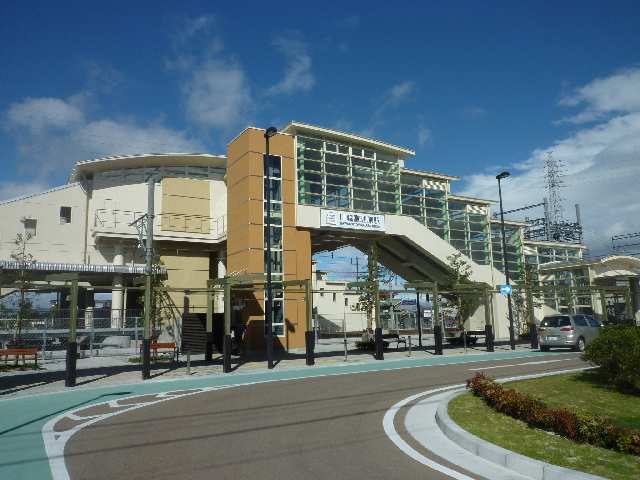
{"x": 526, "y": 466}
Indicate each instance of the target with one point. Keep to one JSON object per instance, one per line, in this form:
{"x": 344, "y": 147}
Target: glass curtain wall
{"x": 514, "y": 248}
{"x": 347, "y": 177}
{"x": 273, "y": 182}
{"x": 427, "y": 205}
{"x": 352, "y": 177}
{"x": 564, "y": 300}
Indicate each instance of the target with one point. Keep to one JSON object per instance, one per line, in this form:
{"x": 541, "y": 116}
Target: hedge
{"x": 616, "y": 350}
{"x": 598, "y": 431}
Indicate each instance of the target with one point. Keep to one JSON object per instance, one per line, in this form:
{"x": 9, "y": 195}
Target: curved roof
{"x": 609, "y": 266}
{"x": 141, "y": 160}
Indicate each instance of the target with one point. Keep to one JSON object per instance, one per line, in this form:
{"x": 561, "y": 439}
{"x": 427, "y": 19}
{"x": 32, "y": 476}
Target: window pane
{"x": 274, "y": 166}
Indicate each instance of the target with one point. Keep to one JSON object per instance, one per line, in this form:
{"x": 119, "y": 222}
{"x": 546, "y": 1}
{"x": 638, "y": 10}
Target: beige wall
{"x": 54, "y": 241}
{"x": 186, "y": 205}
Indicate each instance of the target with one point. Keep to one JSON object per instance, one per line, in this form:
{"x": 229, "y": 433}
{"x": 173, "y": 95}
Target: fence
{"x": 97, "y": 333}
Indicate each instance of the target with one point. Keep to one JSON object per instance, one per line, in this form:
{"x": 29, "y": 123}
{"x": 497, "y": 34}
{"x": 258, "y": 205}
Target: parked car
{"x": 575, "y": 331}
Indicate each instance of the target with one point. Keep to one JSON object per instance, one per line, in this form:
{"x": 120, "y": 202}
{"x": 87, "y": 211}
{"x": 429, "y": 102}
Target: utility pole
{"x": 512, "y": 338}
{"x": 148, "y": 294}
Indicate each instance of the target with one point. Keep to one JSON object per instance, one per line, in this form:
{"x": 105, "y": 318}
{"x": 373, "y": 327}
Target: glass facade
{"x": 513, "y": 235}
{"x": 272, "y": 181}
{"x": 561, "y": 298}
{"x": 347, "y": 177}
{"x": 352, "y": 177}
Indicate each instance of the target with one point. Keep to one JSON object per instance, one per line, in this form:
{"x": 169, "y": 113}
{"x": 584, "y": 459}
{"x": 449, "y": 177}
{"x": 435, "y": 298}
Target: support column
{"x": 208, "y": 352}
{"x": 221, "y": 273}
{"x": 437, "y": 324}
{"x": 117, "y": 294}
{"x": 226, "y": 339}
{"x": 72, "y": 345}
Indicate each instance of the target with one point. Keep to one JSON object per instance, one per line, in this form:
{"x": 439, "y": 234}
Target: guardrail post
{"x": 379, "y": 344}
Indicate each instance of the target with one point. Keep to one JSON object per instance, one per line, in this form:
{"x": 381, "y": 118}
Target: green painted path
{"x": 22, "y": 453}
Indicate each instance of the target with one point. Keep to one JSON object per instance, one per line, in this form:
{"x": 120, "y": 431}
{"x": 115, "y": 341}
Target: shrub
{"x": 617, "y": 352}
{"x": 598, "y": 431}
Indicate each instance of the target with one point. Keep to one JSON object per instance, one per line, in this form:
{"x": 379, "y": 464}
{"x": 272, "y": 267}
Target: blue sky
{"x": 471, "y": 87}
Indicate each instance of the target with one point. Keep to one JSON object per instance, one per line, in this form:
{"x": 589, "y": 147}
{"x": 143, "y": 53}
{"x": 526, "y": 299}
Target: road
{"x": 324, "y": 427}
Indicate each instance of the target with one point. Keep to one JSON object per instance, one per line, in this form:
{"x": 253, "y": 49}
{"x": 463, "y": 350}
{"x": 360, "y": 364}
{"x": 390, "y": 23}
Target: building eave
{"x": 295, "y": 128}
{"x": 142, "y": 160}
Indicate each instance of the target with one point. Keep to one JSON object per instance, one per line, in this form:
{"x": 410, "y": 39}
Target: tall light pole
{"x": 512, "y": 338}
{"x": 268, "y": 318}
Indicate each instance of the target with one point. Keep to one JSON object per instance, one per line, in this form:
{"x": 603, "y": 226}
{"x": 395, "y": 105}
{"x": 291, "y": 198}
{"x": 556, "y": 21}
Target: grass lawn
{"x": 581, "y": 391}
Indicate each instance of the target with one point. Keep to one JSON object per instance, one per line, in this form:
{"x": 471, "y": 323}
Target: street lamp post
{"x": 270, "y": 132}
{"x": 512, "y": 338}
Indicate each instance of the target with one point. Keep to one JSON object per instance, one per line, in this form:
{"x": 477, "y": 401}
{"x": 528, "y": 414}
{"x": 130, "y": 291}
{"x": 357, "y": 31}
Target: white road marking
{"x": 393, "y": 435}
{"x": 520, "y": 364}
{"x": 55, "y": 442}
{"x": 390, "y": 430}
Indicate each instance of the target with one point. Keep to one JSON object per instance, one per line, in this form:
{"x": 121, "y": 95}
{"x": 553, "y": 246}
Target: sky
{"x": 473, "y": 87}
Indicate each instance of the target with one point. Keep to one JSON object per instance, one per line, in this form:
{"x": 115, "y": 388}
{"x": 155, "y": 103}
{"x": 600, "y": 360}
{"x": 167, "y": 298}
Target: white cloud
{"x": 424, "y": 135}
{"x": 298, "y": 76}
{"x": 40, "y": 114}
{"x": 51, "y": 134}
{"x": 217, "y": 95}
{"x": 215, "y": 88}
{"x": 394, "y": 96}
{"x": 618, "y": 93}
{"x": 602, "y": 165}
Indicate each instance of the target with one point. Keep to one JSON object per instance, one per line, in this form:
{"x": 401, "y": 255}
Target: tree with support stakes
{"x": 24, "y": 259}
{"x": 465, "y": 294}
{"x": 368, "y": 289}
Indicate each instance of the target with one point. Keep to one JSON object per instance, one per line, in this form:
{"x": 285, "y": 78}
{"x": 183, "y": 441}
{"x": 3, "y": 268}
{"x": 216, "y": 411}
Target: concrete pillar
{"x": 221, "y": 272}
{"x": 117, "y": 294}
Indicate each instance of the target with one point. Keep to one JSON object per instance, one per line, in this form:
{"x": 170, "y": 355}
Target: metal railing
{"x": 100, "y": 332}
{"x": 121, "y": 221}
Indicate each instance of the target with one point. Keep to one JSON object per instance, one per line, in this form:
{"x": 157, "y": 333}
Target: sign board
{"x": 351, "y": 220}
{"x": 505, "y": 290}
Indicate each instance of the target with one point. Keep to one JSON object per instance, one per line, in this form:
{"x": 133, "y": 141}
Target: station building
{"x": 328, "y": 188}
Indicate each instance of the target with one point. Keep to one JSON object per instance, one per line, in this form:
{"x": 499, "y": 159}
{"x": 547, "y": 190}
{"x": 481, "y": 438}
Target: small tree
{"x": 524, "y": 302}
{"x": 24, "y": 259}
{"x": 376, "y": 276}
{"x": 467, "y": 302}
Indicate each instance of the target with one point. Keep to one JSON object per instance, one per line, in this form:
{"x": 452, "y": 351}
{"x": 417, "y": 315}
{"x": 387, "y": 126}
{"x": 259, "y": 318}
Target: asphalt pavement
{"x": 324, "y": 427}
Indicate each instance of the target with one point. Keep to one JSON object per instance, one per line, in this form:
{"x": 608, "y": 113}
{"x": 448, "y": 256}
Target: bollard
{"x": 208, "y": 347}
{"x": 379, "y": 344}
{"x": 310, "y": 343}
{"x": 437, "y": 335}
{"x": 488, "y": 337}
{"x": 409, "y": 345}
{"x": 72, "y": 356}
{"x": 146, "y": 358}
{"x": 345, "y": 349}
{"x": 534, "y": 336}
{"x": 189, "y": 363}
{"x": 226, "y": 354}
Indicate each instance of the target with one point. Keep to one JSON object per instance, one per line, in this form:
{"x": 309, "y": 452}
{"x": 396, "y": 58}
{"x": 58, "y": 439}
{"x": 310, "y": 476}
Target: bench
{"x": 17, "y": 352}
{"x": 394, "y": 337}
{"x": 170, "y": 346}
